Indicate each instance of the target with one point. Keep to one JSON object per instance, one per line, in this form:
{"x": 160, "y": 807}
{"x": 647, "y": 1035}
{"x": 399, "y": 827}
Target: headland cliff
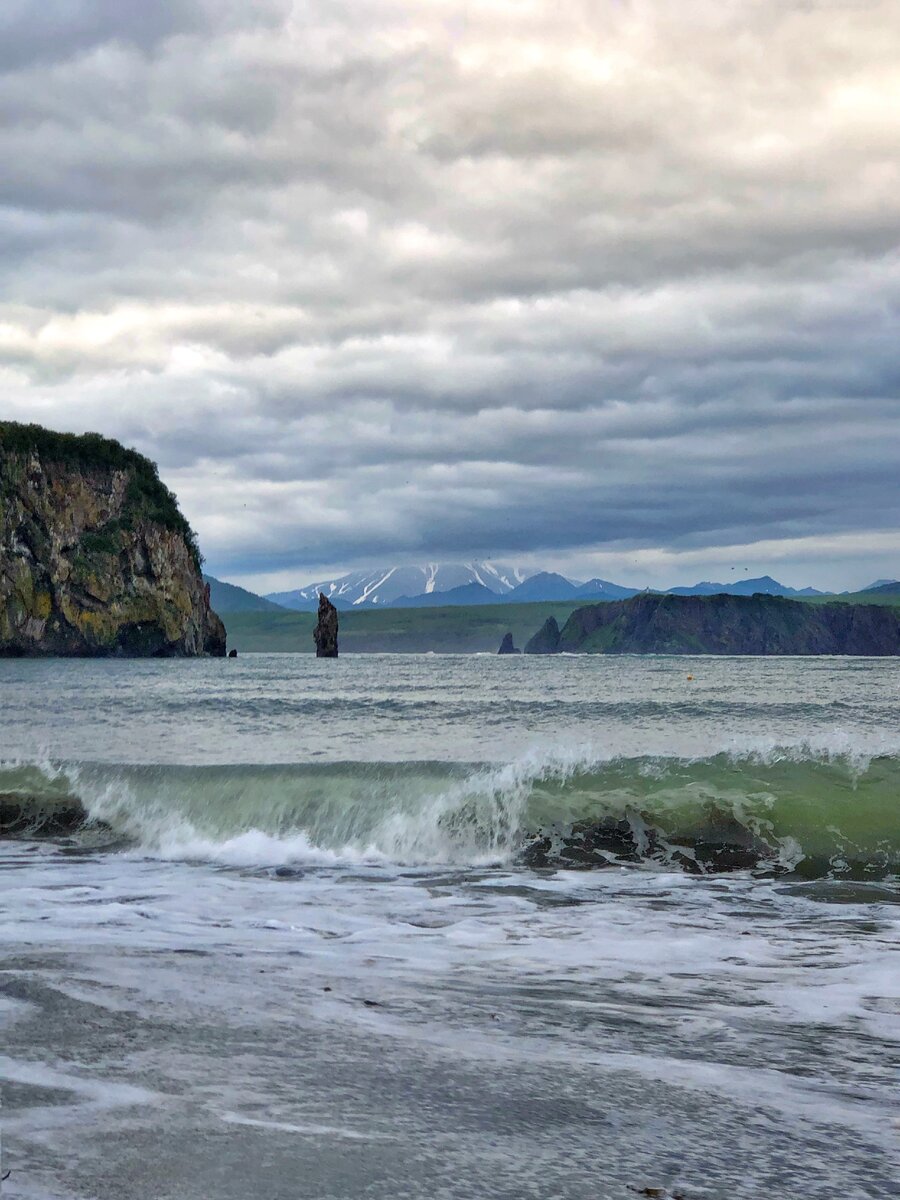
{"x": 95, "y": 556}
{"x": 722, "y": 624}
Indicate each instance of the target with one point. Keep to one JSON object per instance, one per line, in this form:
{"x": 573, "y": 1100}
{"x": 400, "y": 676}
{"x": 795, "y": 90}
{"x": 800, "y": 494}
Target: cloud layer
{"x": 597, "y": 280}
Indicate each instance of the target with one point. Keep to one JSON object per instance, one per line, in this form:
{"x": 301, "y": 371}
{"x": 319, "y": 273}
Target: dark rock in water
{"x": 326, "y": 630}
{"x": 586, "y": 844}
{"x": 39, "y": 817}
{"x": 859, "y": 870}
{"x": 592, "y": 844}
{"x": 723, "y": 845}
{"x": 95, "y": 557}
{"x": 726, "y": 856}
{"x": 506, "y": 646}
{"x": 232, "y": 653}
{"x": 546, "y": 640}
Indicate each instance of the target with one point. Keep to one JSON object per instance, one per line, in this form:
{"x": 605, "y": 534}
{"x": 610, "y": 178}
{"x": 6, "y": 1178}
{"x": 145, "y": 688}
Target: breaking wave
{"x": 798, "y": 808}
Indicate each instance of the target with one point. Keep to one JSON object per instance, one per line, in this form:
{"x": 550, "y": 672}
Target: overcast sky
{"x": 606, "y": 285}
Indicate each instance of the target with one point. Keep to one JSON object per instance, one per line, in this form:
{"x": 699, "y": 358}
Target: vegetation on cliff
{"x": 95, "y": 556}
{"x": 725, "y": 624}
{"x": 146, "y": 498}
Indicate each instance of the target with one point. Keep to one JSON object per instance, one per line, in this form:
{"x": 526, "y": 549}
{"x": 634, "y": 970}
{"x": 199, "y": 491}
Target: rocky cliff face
{"x": 656, "y": 624}
{"x": 95, "y": 558}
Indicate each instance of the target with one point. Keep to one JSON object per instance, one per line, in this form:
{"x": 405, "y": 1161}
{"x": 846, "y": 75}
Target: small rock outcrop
{"x": 506, "y": 646}
{"x": 546, "y": 640}
{"x": 95, "y": 557}
{"x": 326, "y": 630}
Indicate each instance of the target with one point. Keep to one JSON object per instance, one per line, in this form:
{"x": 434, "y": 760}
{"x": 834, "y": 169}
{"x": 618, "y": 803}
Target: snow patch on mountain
{"x": 383, "y": 586}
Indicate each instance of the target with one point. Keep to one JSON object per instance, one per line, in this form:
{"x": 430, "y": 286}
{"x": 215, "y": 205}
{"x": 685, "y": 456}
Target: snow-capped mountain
{"x": 487, "y": 582}
{"x": 382, "y": 586}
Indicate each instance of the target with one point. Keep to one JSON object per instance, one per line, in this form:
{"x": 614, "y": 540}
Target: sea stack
{"x": 326, "y": 630}
{"x": 546, "y": 640}
{"x": 507, "y": 646}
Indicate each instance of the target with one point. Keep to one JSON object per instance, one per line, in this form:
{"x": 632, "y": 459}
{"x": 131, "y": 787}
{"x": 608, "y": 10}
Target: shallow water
{"x": 302, "y": 956}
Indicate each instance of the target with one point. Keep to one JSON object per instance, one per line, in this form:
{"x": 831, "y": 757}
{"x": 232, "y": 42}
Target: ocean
{"x": 390, "y": 927}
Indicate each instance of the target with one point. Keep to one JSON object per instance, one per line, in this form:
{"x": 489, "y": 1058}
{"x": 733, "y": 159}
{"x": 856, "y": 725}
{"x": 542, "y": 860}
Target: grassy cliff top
{"x": 147, "y": 497}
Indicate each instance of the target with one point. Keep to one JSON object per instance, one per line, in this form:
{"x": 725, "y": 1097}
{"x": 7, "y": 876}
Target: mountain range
{"x": 448, "y": 584}
{"x": 384, "y": 586}
{"x": 545, "y": 585}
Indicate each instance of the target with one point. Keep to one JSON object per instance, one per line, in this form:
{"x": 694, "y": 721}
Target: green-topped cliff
{"x": 723, "y": 624}
{"x": 95, "y": 556}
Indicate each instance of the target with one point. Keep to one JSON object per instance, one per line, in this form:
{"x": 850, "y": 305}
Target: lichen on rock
{"x": 95, "y": 556}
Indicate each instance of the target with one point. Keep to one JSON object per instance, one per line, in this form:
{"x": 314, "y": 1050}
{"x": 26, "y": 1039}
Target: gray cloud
{"x": 385, "y": 279}
{"x": 63, "y": 29}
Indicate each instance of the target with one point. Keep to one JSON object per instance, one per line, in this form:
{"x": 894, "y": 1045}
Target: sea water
{"x": 297, "y": 951}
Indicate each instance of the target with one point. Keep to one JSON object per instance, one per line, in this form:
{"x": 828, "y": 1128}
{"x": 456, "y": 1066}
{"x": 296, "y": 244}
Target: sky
{"x": 605, "y": 286}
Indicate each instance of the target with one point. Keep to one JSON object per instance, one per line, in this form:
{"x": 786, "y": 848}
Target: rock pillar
{"x": 326, "y": 630}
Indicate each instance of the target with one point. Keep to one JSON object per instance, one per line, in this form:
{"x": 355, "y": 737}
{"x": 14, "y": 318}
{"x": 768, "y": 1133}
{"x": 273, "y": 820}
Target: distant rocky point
{"x": 722, "y": 624}
{"x": 95, "y": 556}
{"x": 546, "y": 640}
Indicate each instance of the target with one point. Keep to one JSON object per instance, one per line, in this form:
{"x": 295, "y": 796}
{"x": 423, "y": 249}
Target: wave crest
{"x": 810, "y": 809}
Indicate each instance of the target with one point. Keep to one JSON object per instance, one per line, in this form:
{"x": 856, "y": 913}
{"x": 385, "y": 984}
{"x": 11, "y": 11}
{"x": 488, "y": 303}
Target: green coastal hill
{"x": 723, "y": 624}
{"x": 469, "y": 629}
{"x": 229, "y": 598}
{"x": 480, "y": 628}
{"x": 459, "y": 629}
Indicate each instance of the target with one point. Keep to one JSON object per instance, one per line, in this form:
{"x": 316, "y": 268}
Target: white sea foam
{"x": 305, "y": 1130}
{"x": 183, "y": 843}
